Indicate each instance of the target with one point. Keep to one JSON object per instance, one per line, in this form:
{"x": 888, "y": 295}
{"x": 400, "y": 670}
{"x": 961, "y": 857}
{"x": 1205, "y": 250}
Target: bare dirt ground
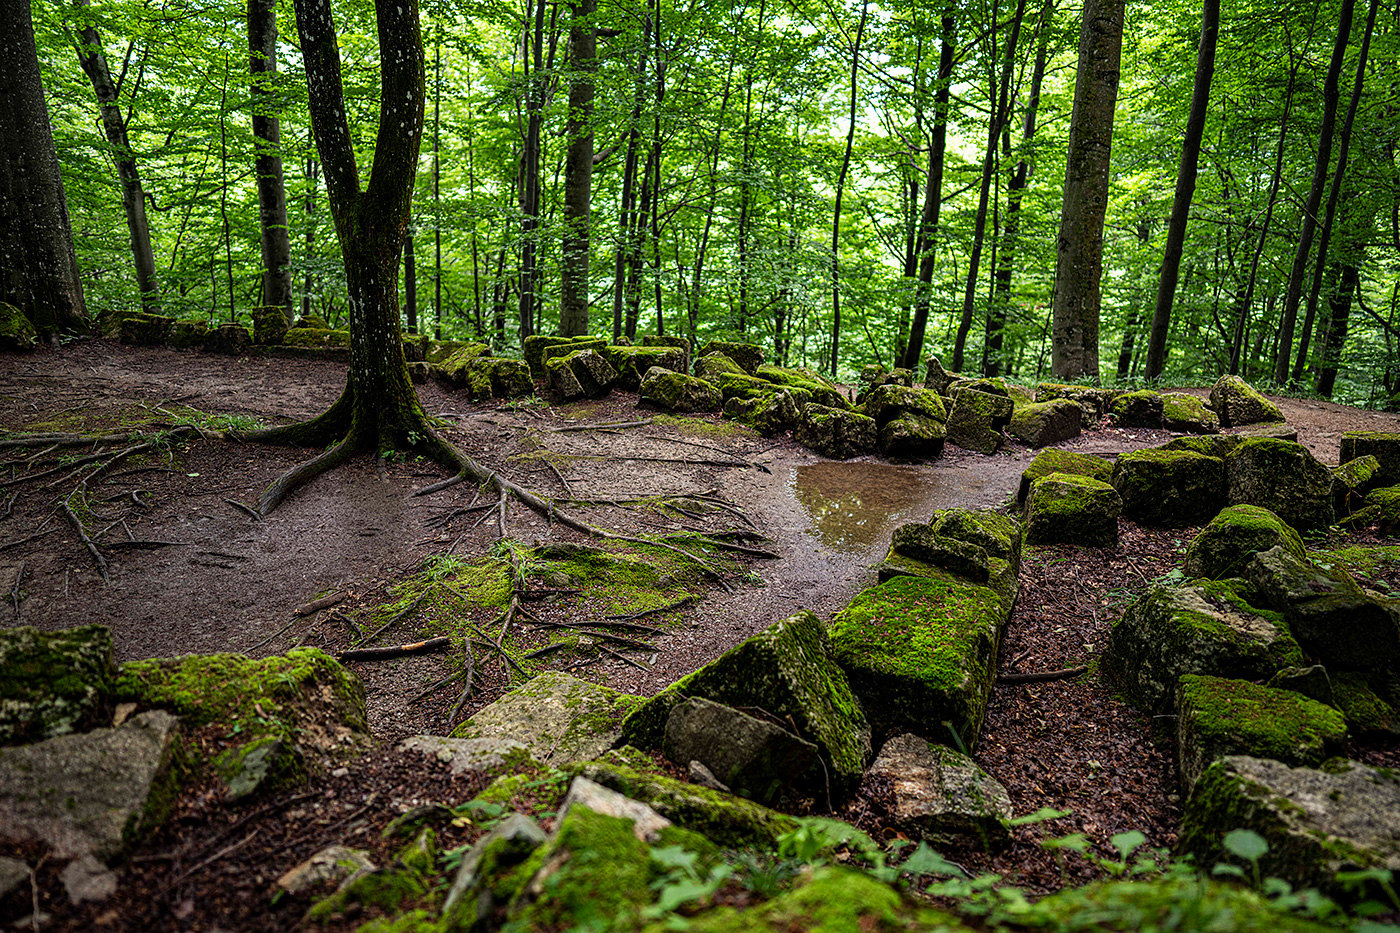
{"x": 208, "y": 578}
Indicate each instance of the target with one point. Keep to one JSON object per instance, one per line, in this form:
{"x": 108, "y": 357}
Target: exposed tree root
{"x": 441, "y": 643}
{"x": 77, "y": 524}
{"x": 1042, "y": 676}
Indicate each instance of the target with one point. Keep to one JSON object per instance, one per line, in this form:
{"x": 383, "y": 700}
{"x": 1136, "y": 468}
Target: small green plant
{"x": 682, "y": 881}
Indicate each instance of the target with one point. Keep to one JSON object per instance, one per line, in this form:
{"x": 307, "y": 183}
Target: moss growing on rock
{"x": 1173, "y": 488}
{"x": 1366, "y": 711}
{"x": 747, "y": 356}
{"x": 818, "y": 388}
{"x": 1238, "y": 403}
{"x": 632, "y": 363}
{"x": 1283, "y": 477}
{"x": 53, "y": 683}
{"x": 771, "y": 413}
{"x": 920, "y": 651}
{"x": 1225, "y": 546}
{"x": 1140, "y": 409}
{"x": 1055, "y": 460}
{"x": 1212, "y": 445}
{"x": 836, "y": 433}
{"x": 678, "y": 392}
{"x": 713, "y": 365}
{"x": 16, "y": 333}
{"x": 315, "y": 338}
{"x": 1065, "y": 508}
{"x": 1183, "y": 412}
{"x": 1038, "y": 424}
{"x": 1383, "y": 445}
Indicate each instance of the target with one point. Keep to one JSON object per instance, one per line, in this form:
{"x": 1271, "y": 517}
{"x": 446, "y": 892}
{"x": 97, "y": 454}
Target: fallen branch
{"x": 252, "y": 513}
{"x": 466, "y": 688}
{"x": 1042, "y": 676}
{"x": 316, "y": 605}
{"x": 87, "y": 542}
{"x": 599, "y": 427}
{"x": 35, "y": 536}
{"x": 683, "y": 601}
{"x": 728, "y": 546}
{"x": 398, "y": 651}
{"x": 144, "y": 545}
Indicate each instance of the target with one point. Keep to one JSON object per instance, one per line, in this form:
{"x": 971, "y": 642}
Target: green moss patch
{"x": 1054, "y": 460}
{"x": 1224, "y": 547}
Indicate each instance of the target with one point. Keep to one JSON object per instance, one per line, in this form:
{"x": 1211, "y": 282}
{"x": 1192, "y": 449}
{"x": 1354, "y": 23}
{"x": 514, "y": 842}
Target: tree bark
{"x": 840, "y": 191}
{"x": 530, "y": 166}
{"x": 627, "y": 221}
{"x": 272, "y": 193}
{"x": 1185, "y": 189}
{"x": 94, "y": 64}
{"x": 1331, "y": 95}
{"x": 578, "y": 171}
{"x": 1334, "y": 337}
{"x": 40, "y": 274}
{"x": 1079, "y": 248}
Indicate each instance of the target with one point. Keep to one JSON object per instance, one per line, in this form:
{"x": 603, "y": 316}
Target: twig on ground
{"x": 43, "y": 530}
{"x": 251, "y": 512}
{"x": 435, "y": 688}
{"x": 599, "y": 427}
{"x": 368, "y": 639}
{"x": 277, "y": 634}
{"x": 683, "y": 601}
{"x": 87, "y": 542}
{"x": 9, "y": 505}
{"x": 1042, "y": 676}
{"x": 316, "y": 605}
{"x": 622, "y": 657}
{"x": 440, "y": 643}
{"x": 466, "y": 687}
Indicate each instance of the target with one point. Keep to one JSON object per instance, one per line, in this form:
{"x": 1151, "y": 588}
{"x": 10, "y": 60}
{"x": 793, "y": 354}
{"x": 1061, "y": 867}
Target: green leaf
{"x": 1044, "y": 814}
{"x": 1075, "y": 842}
{"x": 1246, "y": 844}
{"x": 1125, "y": 843}
{"x": 925, "y": 861}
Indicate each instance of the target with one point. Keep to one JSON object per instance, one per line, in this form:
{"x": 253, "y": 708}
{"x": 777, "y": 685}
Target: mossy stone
{"x": 308, "y": 338}
{"x": 1208, "y": 627}
{"x": 632, "y": 363}
{"x": 748, "y": 356}
{"x": 788, "y": 670}
{"x": 1039, "y": 424}
{"x": 1382, "y": 509}
{"x": 1140, "y": 409}
{"x": 913, "y": 437}
{"x": 1283, "y": 477}
{"x": 743, "y": 385}
{"x": 1366, "y": 711}
{"x": 936, "y": 378}
{"x": 269, "y": 324}
{"x": 920, "y": 652}
{"x": 533, "y": 347}
{"x": 1173, "y": 488}
{"x": 836, "y": 433}
{"x": 454, "y": 366}
{"x": 977, "y": 418}
{"x": 1383, "y": 445}
{"x": 578, "y": 373}
{"x": 676, "y": 391}
{"x": 1093, "y": 400}
{"x": 999, "y": 535}
{"x": 1184, "y": 412}
{"x": 1352, "y": 481}
{"x": 962, "y": 558}
{"x": 16, "y": 333}
{"x": 1225, "y": 546}
{"x": 489, "y": 377}
{"x": 1065, "y": 508}
{"x": 54, "y": 683}
{"x": 713, "y": 365}
{"x": 140, "y": 329}
{"x": 770, "y": 413}
{"x": 1054, "y": 460}
{"x": 1212, "y": 445}
{"x": 1218, "y": 716}
{"x": 1239, "y": 403}
{"x": 186, "y": 335}
{"x": 818, "y": 388}
{"x": 888, "y": 402}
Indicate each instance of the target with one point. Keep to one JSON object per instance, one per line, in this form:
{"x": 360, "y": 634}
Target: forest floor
{"x": 219, "y": 581}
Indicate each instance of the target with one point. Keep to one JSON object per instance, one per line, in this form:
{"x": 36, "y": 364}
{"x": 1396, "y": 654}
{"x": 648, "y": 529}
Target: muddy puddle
{"x": 852, "y": 506}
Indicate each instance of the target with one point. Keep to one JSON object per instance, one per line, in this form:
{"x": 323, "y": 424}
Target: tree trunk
{"x": 410, "y": 283}
{"x": 578, "y": 171}
{"x": 1334, "y": 338}
{"x": 94, "y": 64}
{"x": 997, "y": 97}
{"x": 40, "y": 275}
{"x": 1185, "y": 189}
{"x": 627, "y": 221}
{"x": 1343, "y": 148}
{"x": 933, "y": 194}
{"x": 1074, "y": 349}
{"x": 272, "y": 193}
{"x": 1331, "y": 95}
{"x": 313, "y": 174}
{"x": 840, "y": 190}
{"x": 530, "y": 166}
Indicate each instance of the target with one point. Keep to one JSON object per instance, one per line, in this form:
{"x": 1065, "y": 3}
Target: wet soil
{"x": 222, "y": 582}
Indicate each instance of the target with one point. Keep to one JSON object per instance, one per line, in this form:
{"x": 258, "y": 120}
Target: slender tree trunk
{"x": 1330, "y": 97}
{"x": 627, "y": 222}
{"x": 745, "y": 186}
{"x": 1185, "y": 188}
{"x": 313, "y": 173}
{"x": 267, "y": 145}
{"x": 223, "y": 192}
{"x": 578, "y": 171}
{"x": 841, "y": 189}
{"x": 1325, "y": 238}
{"x": 1079, "y": 248}
{"x": 696, "y": 280}
{"x": 997, "y": 97}
{"x": 1334, "y": 338}
{"x": 530, "y": 163}
{"x": 933, "y": 194}
{"x": 437, "y": 195}
{"x": 94, "y": 64}
{"x": 40, "y": 275}
{"x": 410, "y": 283}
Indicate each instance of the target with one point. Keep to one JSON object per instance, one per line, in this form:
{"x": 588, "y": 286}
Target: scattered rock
{"x": 16, "y": 333}
{"x": 963, "y": 558}
{"x": 1238, "y": 403}
{"x": 269, "y": 324}
{"x": 632, "y": 363}
{"x": 333, "y": 863}
{"x": 771, "y": 413}
{"x": 888, "y": 402}
{"x": 87, "y": 879}
{"x": 977, "y": 418}
{"x": 1212, "y": 445}
{"x": 1383, "y": 445}
{"x": 467, "y": 756}
{"x": 714, "y": 365}
{"x": 1283, "y": 477}
{"x": 755, "y": 758}
{"x": 187, "y": 335}
{"x": 676, "y": 391}
{"x": 1312, "y": 682}
{"x": 936, "y": 378}
{"x": 1054, "y": 460}
{"x": 1092, "y": 400}
{"x": 140, "y": 329}
{"x": 256, "y": 766}
{"x": 1352, "y": 481}
{"x": 1217, "y": 716}
{"x": 939, "y": 793}
{"x": 999, "y": 535}
{"x": 229, "y": 339}
{"x": 1040, "y": 424}
{"x": 490, "y": 377}
{"x": 699, "y": 774}
{"x": 817, "y": 387}
{"x": 96, "y": 792}
{"x": 747, "y": 356}
{"x": 1140, "y": 409}
{"x": 1173, "y": 488}
{"x": 579, "y": 373}
{"x": 1316, "y": 822}
{"x": 1184, "y": 412}
{"x": 1366, "y": 711}
{"x": 913, "y": 437}
{"x": 1276, "y": 430}
{"x": 1063, "y": 508}
{"x": 835, "y": 433}
{"x": 533, "y": 349}
{"x": 54, "y": 683}
{"x": 476, "y": 891}
{"x": 558, "y": 718}
{"x": 1225, "y": 546}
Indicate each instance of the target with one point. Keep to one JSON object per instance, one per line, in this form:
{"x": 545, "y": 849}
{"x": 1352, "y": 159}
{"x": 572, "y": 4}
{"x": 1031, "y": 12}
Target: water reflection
{"x": 852, "y": 504}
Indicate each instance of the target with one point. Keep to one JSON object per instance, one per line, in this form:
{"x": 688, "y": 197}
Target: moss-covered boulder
{"x": 1283, "y": 477}
{"x": 676, "y": 391}
{"x": 229, "y": 340}
{"x": 269, "y": 324}
{"x": 454, "y": 367}
{"x": 888, "y": 402}
{"x": 632, "y": 363}
{"x": 1182, "y": 411}
{"x": 486, "y": 879}
{"x": 1064, "y": 508}
{"x": 53, "y": 683}
{"x": 1140, "y": 409}
{"x": 1381, "y": 509}
{"x": 936, "y": 378}
{"x": 1275, "y": 429}
{"x": 533, "y": 350}
{"x": 815, "y": 386}
{"x": 1239, "y": 403}
{"x": 1217, "y": 716}
{"x": 578, "y": 374}
{"x": 1205, "y": 628}
{"x": 439, "y": 351}
{"x": 394, "y": 889}
{"x": 874, "y": 375}
{"x": 556, "y": 717}
{"x": 1383, "y": 445}
{"x": 1054, "y": 460}
{"x": 913, "y": 437}
{"x": 999, "y": 535}
{"x": 311, "y": 320}
{"x": 140, "y": 329}
{"x": 977, "y": 418}
{"x": 492, "y": 377}
{"x": 939, "y": 794}
{"x": 746, "y": 755}
{"x": 312, "y": 338}
{"x": 1368, "y": 710}
{"x": 1212, "y": 445}
{"x": 1332, "y": 618}
{"x": 748, "y": 356}
{"x": 1316, "y": 822}
{"x": 711, "y": 366}
{"x": 771, "y": 413}
{"x": 1039, "y": 424}
{"x": 836, "y": 433}
{"x": 1174, "y": 488}
{"x": 787, "y": 670}
{"x": 187, "y": 335}
{"x": 16, "y": 333}
{"x": 1093, "y": 400}
{"x": 669, "y": 340}
{"x": 1352, "y": 481}
{"x": 963, "y": 558}
{"x": 920, "y": 652}
{"x": 1225, "y": 546}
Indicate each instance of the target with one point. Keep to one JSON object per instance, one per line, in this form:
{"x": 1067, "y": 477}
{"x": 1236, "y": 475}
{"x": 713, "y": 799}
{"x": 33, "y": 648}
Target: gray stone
{"x": 1279, "y": 431}
{"x": 333, "y": 863}
{"x": 87, "y": 879}
{"x": 890, "y": 401}
{"x": 677, "y": 391}
{"x": 1316, "y": 822}
{"x": 1332, "y": 618}
{"x": 1140, "y": 409}
{"x": 1184, "y": 412}
{"x": 632, "y": 363}
{"x": 228, "y": 339}
{"x": 748, "y": 356}
{"x": 1063, "y": 508}
{"x": 977, "y": 418}
{"x": 556, "y": 717}
{"x": 939, "y": 793}
{"x": 96, "y": 792}
{"x": 1092, "y": 400}
{"x": 755, "y": 758}
{"x": 913, "y": 437}
{"x": 834, "y": 433}
{"x": 1312, "y": 682}
{"x": 646, "y": 822}
{"x": 1238, "y": 403}
{"x": 699, "y": 774}
{"x": 464, "y": 756}
{"x": 936, "y": 378}
{"x": 1054, "y": 460}
{"x": 1174, "y": 488}
{"x": 1352, "y": 481}
{"x": 508, "y": 844}
{"x": 1383, "y": 445}
{"x": 771, "y": 413}
{"x": 1040, "y": 424}
{"x": 592, "y": 374}
{"x": 1283, "y": 477}
{"x": 267, "y": 758}
{"x": 711, "y": 366}
{"x": 54, "y": 683}
{"x": 13, "y": 874}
